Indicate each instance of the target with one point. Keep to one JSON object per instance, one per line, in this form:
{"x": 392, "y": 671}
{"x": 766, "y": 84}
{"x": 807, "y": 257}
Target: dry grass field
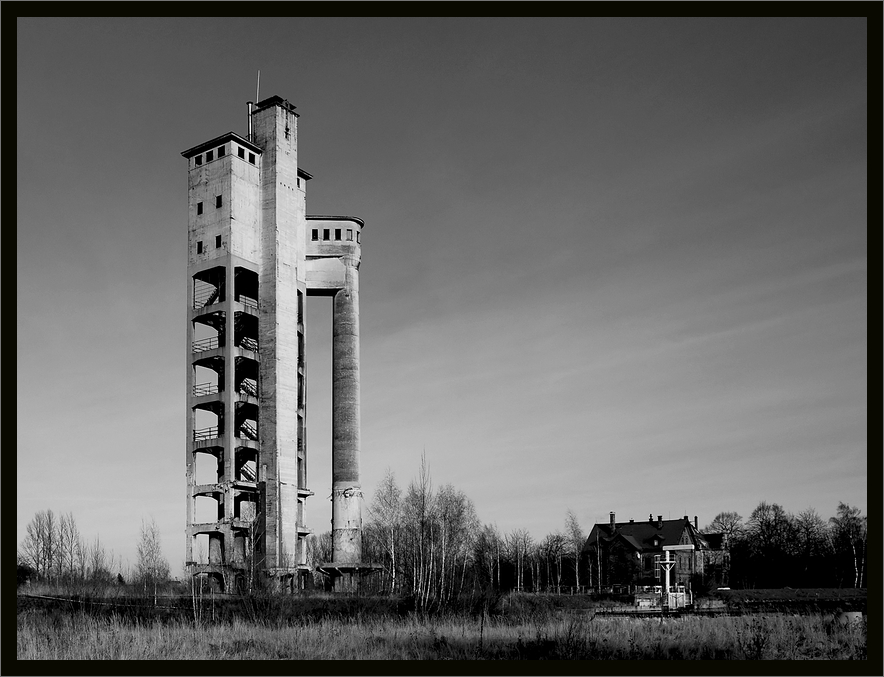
{"x": 66, "y": 635}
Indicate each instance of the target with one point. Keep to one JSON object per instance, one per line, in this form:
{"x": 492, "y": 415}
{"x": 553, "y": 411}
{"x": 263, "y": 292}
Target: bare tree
{"x": 850, "y": 534}
{"x": 386, "y": 513}
{"x": 40, "y": 547}
{"x": 728, "y": 523}
{"x": 575, "y": 539}
{"x": 152, "y": 568}
{"x": 70, "y": 549}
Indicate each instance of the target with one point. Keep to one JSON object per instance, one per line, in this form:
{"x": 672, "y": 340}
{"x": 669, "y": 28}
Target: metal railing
{"x": 205, "y": 434}
{"x": 248, "y": 302}
{"x": 248, "y": 387}
{"x": 205, "y": 295}
{"x": 205, "y": 344}
{"x": 205, "y": 389}
{"x": 249, "y": 431}
{"x": 247, "y": 474}
{"x": 249, "y": 344}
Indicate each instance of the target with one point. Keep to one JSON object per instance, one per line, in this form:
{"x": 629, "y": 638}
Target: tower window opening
{"x": 298, "y": 182}
{"x": 217, "y": 242}
{"x": 241, "y": 152}
{"x": 199, "y": 247}
{"x": 357, "y": 236}
{"x": 349, "y": 234}
{"x": 252, "y": 158}
{"x": 210, "y": 155}
{"x": 337, "y": 233}
{"x": 199, "y": 208}
{"x": 221, "y": 151}
{"x": 217, "y": 202}
{"x": 315, "y": 234}
{"x": 325, "y": 235}
{"x": 198, "y": 160}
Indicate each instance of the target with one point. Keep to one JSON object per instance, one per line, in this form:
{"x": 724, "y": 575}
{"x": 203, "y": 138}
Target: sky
{"x": 608, "y": 264}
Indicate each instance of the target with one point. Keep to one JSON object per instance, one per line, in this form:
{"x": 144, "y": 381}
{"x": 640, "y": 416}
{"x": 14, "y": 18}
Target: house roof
{"x": 640, "y": 535}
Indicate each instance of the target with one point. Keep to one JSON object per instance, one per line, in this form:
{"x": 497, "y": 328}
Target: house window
{"x": 198, "y": 160}
{"x": 199, "y": 208}
{"x": 349, "y": 234}
{"x": 217, "y": 201}
{"x": 252, "y": 158}
{"x": 217, "y": 241}
{"x": 221, "y": 151}
{"x": 325, "y": 234}
{"x": 337, "y": 233}
{"x": 241, "y": 152}
{"x": 199, "y": 247}
{"x": 656, "y": 566}
{"x": 209, "y": 156}
{"x": 315, "y": 234}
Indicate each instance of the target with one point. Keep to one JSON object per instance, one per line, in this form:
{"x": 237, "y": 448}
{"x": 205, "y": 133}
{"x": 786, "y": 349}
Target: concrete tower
{"x": 254, "y": 256}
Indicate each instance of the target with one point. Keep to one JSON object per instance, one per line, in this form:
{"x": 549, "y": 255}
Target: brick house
{"x": 628, "y": 554}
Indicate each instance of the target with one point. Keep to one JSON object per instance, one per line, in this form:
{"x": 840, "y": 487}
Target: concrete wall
{"x": 282, "y": 249}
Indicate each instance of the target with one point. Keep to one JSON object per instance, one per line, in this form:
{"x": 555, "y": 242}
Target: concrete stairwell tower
{"x": 251, "y": 265}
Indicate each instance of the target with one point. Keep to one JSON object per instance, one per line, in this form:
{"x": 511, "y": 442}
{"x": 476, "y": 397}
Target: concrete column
{"x": 346, "y": 490}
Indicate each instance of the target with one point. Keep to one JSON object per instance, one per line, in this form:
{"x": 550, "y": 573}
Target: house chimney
{"x": 632, "y": 521}
{"x": 695, "y": 523}
{"x": 686, "y": 519}
{"x": 612, "y": 520}
{"x": 659, "y": 521}
{"x": 650, "y": 518}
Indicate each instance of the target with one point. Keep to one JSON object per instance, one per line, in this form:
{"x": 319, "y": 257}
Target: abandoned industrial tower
{"x": 254, "y": 257}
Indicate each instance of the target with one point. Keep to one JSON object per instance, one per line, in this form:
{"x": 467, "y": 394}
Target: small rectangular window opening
{"x": 357, "y": 236}
{"x": 252, "y": 158}
{"x": 315, "y": 234}
{"x": 198, "y": 160}
{"x": 298, "y": 181}
{"x": 241, "y": 152}
{"x": 221, "y": 151}
{"x": 199, "y": 208}
{"x": 349, "y": 234}
{"x": 217, "y": 201}
{"x": 325, "y": 234}
{"x": 199, "y": 247}
{"x": 337, "y": 233}
{"x": 210, "y": 155}
{"x": 217, "y": 241}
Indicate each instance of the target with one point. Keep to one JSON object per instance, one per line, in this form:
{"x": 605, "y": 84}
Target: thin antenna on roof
{"x": 258, "y": 88}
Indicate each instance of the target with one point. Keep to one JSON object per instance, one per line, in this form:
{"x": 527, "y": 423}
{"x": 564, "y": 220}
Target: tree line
{"x": 53, "y": 551}
{"x": 433, "y": 547}
{"x": 775, "y": 548}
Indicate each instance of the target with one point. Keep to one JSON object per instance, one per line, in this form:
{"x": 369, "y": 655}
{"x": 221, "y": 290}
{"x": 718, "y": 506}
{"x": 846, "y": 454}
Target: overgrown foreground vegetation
{"x": 64, "y": 635}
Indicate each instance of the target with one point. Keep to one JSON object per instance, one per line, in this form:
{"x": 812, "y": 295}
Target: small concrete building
{"x": 626, "y": 555}
{"x": 254, "y": 255}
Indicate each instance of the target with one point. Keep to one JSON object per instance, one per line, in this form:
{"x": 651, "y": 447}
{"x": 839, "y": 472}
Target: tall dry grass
{"x": 78, "y": 636}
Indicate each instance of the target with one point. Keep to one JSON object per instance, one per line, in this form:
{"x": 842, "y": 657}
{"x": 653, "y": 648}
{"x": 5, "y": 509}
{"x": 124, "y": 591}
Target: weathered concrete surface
{"x": 254, "y": 241}
{"x": 346, "y": 489}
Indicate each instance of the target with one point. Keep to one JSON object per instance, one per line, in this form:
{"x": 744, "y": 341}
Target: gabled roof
{"x": 641, "y": 535}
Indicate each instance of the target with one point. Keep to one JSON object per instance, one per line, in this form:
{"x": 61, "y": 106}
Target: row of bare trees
{"x": 434, "y": 548}
{"x": 774, "y": 548}
{"x": 54, "y": 551}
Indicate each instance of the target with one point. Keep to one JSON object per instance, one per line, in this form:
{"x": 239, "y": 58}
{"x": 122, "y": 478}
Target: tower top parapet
{"x": 275, "y": 101}
{"x": 217, "y": 141}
